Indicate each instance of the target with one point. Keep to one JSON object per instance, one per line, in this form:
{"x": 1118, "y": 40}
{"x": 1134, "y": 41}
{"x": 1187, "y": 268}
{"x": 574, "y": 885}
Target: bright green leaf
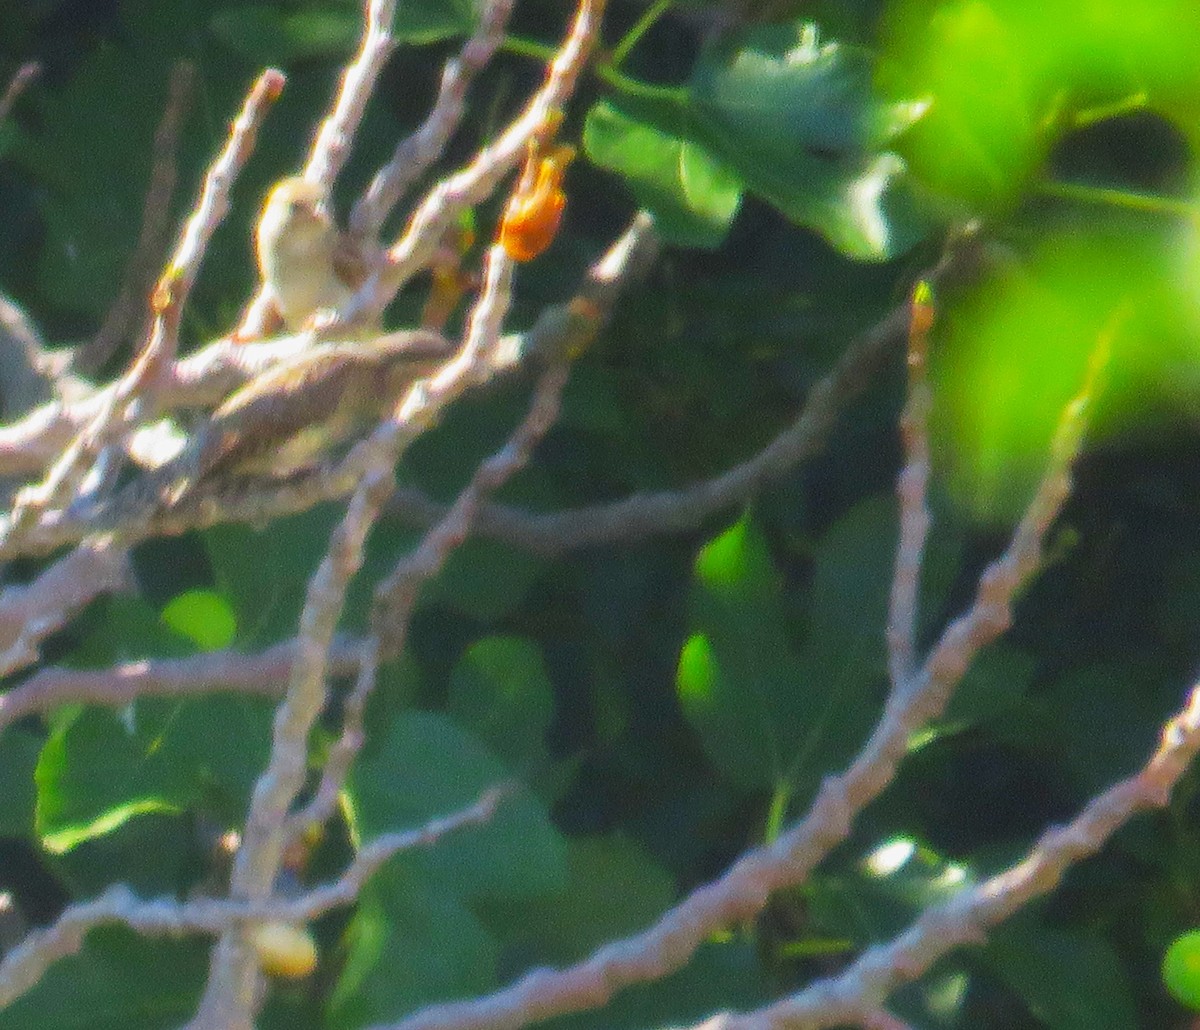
{"x": 204, "y": 617}
{"x": 730, "y": 714}
{"x": 1181, "y": 969}
{"x": 101, "y": 767}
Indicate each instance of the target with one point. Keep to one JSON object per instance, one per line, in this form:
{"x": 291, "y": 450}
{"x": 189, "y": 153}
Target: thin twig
{"x": 24, "y": 966}
{"x": 30, "y": 613}
{"x": 965, "y": 918}
{"x": 331, "y": 147}
{"x": 435, "y": 215}
{"x": 201, "y": 380}
{"x": 396, "y": 595}
{"x": 415, "y": 154}
{"x": 230, "y": 995}
{"x": 208, "y": 375}
{"x": 17, "y": 85}
{"x": 911, "y": 489}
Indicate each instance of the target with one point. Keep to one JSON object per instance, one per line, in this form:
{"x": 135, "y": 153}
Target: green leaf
{"x": 734, "y": 679}
{"x": 848, "y": 599}
{"x": 499, "y": 691}
{"x": 267, "y": 35}
{"x": 105, "y": 986}
{"x": 18, "y": 758}
{"x": 203, "y": 617}
{"x": 979, "y": 141}
{"x": 782, "y": 82}
{"x": 159, "y": 853}
{"x": 264, "y": 575}
{"x": 410, "y": 943}
{"x": 766, "y": 714}
{"x": 614, "y": 889}
{"x": 426, "y": 766}
{"x": 993, "y": 685}
{"x": 1107, "y": 719}
{"x": 692, "y": 195}
{"x": 1070, "y": 981}
{"x": 486, "y": 579}
{"x": 101, "y": 767}
{"x": 843, "y": 661}
{"x": 799, "y": 122}
{"x": 428, "y": 21}
{"x": 1181, "y": 969}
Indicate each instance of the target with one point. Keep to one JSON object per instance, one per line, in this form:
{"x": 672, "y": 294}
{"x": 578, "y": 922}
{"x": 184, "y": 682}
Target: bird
{"x": 307, "y": 264}
{"x": 288, "y": 418}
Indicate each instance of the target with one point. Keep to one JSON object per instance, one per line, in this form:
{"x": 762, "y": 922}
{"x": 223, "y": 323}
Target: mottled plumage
{"x": 288, "y": 418}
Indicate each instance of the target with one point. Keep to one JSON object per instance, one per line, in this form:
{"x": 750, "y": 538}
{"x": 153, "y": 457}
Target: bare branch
{"x": 415, "y": 154}
{"x": 207, "y": 376}
{"x": 964, "y": 919}
{"x": 396, "y": 596}
{"x": 742, "y": 892}
{"x": 167, "y": 303}
{"x": 331, "y": 148}
{"x": 229, "y": 997}
{"x": 911, "y": 490}
{"x": 217, "y": 671}
{"x": 17, "y": 85}
{"x": 24, "y": 966}
{"x": 473, "y": 184}
{"x": 29, "y": 614}
{"x": 200, "y": 380}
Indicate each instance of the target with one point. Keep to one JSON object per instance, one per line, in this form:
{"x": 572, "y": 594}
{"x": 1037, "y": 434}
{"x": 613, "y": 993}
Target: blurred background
{"x": 672, "y": 701}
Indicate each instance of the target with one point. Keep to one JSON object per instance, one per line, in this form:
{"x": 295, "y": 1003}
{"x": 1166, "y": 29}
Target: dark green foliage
{"x": 658, "y": 707}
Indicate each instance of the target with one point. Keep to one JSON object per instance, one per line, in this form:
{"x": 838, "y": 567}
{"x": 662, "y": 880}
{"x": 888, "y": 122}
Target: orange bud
{"x": 533, "y": 215}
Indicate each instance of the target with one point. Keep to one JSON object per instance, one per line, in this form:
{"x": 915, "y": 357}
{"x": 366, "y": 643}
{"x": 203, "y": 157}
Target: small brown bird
{"x": 307, "y": 264}
{"x": 293, "y": 415}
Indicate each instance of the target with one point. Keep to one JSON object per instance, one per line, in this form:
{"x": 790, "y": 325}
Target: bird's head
{"x": 293, "y": 214}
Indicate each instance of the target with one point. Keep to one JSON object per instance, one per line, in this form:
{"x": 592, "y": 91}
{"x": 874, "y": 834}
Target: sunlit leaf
{"x": 204, "y": 617}
{"x": 692, "y": 195}
{"x": 104, "y": 767}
